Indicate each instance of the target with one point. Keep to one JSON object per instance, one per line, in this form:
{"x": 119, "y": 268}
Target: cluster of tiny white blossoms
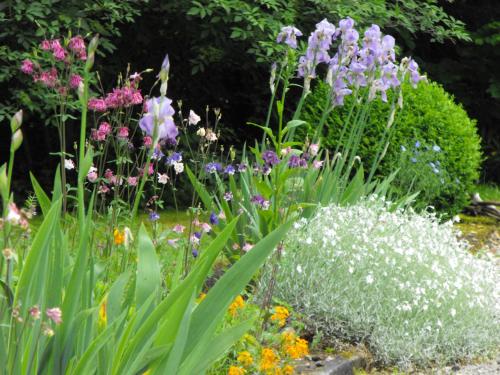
{"x": 402, "y": 282}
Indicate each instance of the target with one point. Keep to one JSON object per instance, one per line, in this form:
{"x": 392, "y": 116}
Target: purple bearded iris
{"x": 160, "y": 110}
{"x": 270, "y": 157}
{"x": 290, "y": 34}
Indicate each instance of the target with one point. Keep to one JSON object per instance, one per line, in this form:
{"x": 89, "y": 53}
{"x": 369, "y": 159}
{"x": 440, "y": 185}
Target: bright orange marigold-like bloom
{"x": 288, "y": 370}
{"x": 298, "y": 350}
{"x": 238, "y": 303}
{"x": 269, "y": 359}
{"x": 245, "y": 358}
{"x": 119, "y": 237}
{"x": 236, "y": 370}
{"x": 281, "y": 314}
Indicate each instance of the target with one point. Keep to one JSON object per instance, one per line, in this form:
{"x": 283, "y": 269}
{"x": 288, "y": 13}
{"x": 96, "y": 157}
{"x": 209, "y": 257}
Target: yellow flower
{"x": 119, "y": 237}
{"x": 298, "y": 350}
{"x": 288, "y": 370}
{"x": 238, "y": 303}
{"x": 288, "y": 337}
{"x": 281, "y": 314}
{"x": 245, "y": 358}
{"x": 235, "y": 370}
{"x": 269, "y": 359}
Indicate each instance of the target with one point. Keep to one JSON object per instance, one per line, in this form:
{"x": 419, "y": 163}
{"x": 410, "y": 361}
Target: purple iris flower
{"x": 270, "y": 157}
{"x": 260, "y": 201}
{"x": 197, "y": 235}
{"x": 295, "y": 161}
{"x": 289, "y": 34}
{"x": 161, "y": 111}
{"x": 154, "y": 216}
{"x": 194, "y": 252}
{"x": 214, "y": 220}
{"x": 213, "y": 167}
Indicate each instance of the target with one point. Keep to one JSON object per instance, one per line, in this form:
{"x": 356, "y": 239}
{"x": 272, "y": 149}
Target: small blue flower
{"x": 194, "y": 252}
{"x": 154, "y": 216}
{"x": 214, "y": 220}
{"x": 176, "y": 157}
{"x": 417, "y": 144}
{"x": 213, "y": 167}
{"x": 436, "y": 148}
{"x": 197, "y": 235}
{"x": 230, "y": 170}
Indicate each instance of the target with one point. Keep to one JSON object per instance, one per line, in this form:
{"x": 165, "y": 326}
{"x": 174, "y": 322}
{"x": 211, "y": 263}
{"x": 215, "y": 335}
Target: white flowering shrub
{"x": 401, "y": 282}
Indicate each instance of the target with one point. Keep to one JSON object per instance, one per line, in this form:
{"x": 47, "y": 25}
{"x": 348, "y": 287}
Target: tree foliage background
{"x": 221, "y": 50}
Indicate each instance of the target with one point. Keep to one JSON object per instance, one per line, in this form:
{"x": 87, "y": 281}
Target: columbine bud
{"x": 16, "y": 121}
{"x": 272, "y": 78}
{"x": 80, "y": 90}
{"x": 165, "y": 68}
{"x": 17, "y": 139}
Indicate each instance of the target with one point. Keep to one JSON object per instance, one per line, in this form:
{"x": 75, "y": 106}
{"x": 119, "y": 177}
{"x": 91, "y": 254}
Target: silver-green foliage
{"x": 401, "y": 282}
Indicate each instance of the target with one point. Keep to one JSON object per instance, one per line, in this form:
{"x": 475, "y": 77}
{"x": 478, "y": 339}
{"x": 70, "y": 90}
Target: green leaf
{"x": 41, "y": 197}
{"x": 200, "y": 189}
{"x": 148, "y": 278}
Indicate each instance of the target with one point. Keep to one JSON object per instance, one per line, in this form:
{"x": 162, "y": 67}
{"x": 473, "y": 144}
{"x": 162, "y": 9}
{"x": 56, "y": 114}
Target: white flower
{"x": 211, "y": 136}
{"x": 369, "y": 279}
{"x": 201, "y": 132}
{"x": 178, "y": 167}
{"x": 193, "y": 118}
{"x": 299, "y": 268}
{"x": 69, "y": 164}
{"x": 453, "y": 312}
{"x": 162, "y": 178}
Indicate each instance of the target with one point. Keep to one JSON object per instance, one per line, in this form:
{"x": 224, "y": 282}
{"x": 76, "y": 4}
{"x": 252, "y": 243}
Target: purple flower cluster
{"x": 367, "y": 62}
{"x": 260, "y": 201}
{"x": 270, "y": 158}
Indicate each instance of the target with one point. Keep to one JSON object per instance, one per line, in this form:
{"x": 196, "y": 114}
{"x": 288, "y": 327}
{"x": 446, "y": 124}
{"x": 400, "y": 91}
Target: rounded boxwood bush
{"x": 400, "y": 282}
{"x": 429, "y": 116}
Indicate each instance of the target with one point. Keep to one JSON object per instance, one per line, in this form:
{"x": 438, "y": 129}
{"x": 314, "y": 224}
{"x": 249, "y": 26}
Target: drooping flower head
{"x": 159, "y": 111}
{"x": 289, "y": 35}
{"x": 27, "y": 66}
{"x": 270, "y": 157}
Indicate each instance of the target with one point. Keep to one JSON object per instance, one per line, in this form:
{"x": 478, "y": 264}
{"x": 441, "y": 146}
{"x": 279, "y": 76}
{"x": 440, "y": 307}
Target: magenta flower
{"x": 74, "y": 81}
{"x": 45, "y": 45}
{"x": 55, "y": 314}
{"x": 159, "y": 111}
{"x": 148, "y": 141}
{"x": 47, "y": 78}
{"x": 27, "y": 66}
{"x": 98, "y": 105}
{"x": 76, "y": 44}
{"x": 123, "y": 132}
{"x": 132, "y": 181}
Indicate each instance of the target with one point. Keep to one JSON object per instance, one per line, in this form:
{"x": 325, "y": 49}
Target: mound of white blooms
{"x": 401, "y": 282}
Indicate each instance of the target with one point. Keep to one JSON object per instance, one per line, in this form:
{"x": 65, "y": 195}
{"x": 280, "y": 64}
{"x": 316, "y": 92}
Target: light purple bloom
{"x": 176, "y": 157}
{"x": 230, "y": 170}
{"x": 289, "y": 34}
{"x": 260, "y": 201}
{"x": 228, "y": 196}
{"x": 213, "y": 167}
{"x": 270, "y": 157}
{"x": 154, "y": 216}
{"x": 161, "y": 111}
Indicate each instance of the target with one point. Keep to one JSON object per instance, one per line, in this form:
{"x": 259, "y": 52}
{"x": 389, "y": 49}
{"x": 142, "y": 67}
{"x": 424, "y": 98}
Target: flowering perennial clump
{"x": 400, "y": 281}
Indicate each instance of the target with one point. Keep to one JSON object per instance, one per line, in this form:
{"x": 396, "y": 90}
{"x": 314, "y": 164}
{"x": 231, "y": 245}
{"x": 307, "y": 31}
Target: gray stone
{"x": 329, "y": 366}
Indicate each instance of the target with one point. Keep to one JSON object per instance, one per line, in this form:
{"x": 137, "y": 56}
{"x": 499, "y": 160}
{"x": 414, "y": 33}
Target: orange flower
{"x": 236, "y": 370}
{"x": 238, "y": 303}
{"x": 281, "y": 314}
{"x": 245, "y": 358}
{"x": 288, "y": 370}
{"x": 201, "y": 297}
{"x": 269, "y": 359}
{"x": 298, "y": 350}
{"x": 119, "y": 237}
{"x": 103, "y": 317}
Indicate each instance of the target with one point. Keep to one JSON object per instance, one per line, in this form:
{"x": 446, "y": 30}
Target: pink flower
{"x": 92, "y": 175}
{"x": 178, "y": 228}
{"x": 35, "y": 312}
{"x": 55, "y": 44}
{"x": 105, "y": 128}
{"x": 132, "y": 181}
{"x": 314, "y": 148}
{"x": 151, "y": 169}
{"x": 193, "y": 118}
{"x": 103, "y": 189}
{"x": 55, "y": 314}
{"x": 13, "y": 214}
{"x": 317, "y": 164}
{"x": 48, "y": 78}
{"x": 77, "y": 44}
{"x": 123, "y": 132}
{"x": 27, "y": 66}
{"x": 59, "y": 53}
{"x": 148, "y": 141}
{"x": 205, "y": 227}
{"x": 45, "y": 45}
{"x": 98, "y": 105}
{"x": 108, "y": 174}
{"x": 75, "y": 80}
{"x": 247, "y": 247}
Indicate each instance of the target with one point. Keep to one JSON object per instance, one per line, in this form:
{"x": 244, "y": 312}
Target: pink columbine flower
{"x": 77, "y": 44}
{"x": 92, "y": 175}
{"x": 317, "y": 164}
{"x": 313, "y": 149}
{"x": 48, "y": 78}
{"x": 98, "y": 105}
{"x": 179, "y": 228}
{"x": 105, "y": 127}
{"x": 75, "y": 80}
{"x": 59, "y": 53}
{"x": 108, "y": 174}
{"x": 13, "y": 214}
{"x": 132, "y": 181}
{"x": 123, "y": 132}
{"x": 27, "y": 66}
{"x": 247, "y": 247}
{"x": 35, "y": 312}
{"x": 148, "y": 141}
{"x": 55, "y": 314}
{"x": 103, "y": 189}
{"x": 194, "y": 240}
{"x": 205, "y": 227}
{"x": 151, "y": 169}
{"x": 45, "y": 45}
{"x": 55, "y": 44}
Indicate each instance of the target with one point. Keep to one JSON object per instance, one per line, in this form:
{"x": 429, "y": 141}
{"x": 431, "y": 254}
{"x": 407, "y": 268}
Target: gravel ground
{"x": 487, "y": 368}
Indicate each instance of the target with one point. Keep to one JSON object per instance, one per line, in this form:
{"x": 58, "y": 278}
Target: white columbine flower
{"x": 162, "y": 178}
{"x": 69, "y": 164}
{"x": 193, "y": 118}
{"x": 178, "y": 167}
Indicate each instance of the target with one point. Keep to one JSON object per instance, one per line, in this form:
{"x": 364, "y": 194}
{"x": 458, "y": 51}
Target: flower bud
{"x": 16, "y": 121}
{"x": 80, "y": 90}
{"x": 91, "y": 52}
{"x": 17, "y": 139}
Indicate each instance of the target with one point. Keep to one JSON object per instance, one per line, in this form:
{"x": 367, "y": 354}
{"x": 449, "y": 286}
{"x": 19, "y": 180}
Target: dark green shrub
{"x": 429, "y": 116}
